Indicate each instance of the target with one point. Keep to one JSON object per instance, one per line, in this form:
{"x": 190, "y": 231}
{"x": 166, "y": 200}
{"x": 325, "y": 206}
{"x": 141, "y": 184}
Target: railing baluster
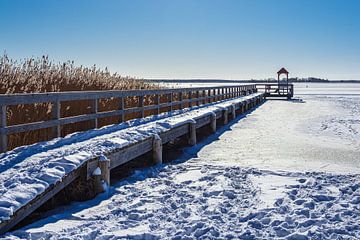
{"x": 141, "y": 106}
{"x": 197, "y": 98}
{"x": 157, "y": 103}
{"x": 190, "y": 98}
{"x": 181, "y": 99}
{"x": 94, "y": 108}
{"x": 56, "y": 114}
{"x": 3, "y": 136}
{"x": 122, "y": 107}
{"x": 170, "y": 99}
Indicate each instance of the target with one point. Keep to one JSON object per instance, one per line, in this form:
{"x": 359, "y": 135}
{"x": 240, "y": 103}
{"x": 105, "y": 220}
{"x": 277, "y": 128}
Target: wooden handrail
{"x": 203, "y": 95}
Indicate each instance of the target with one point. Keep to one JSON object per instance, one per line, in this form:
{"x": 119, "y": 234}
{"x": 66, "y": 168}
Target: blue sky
{"x": 228, "y": 39}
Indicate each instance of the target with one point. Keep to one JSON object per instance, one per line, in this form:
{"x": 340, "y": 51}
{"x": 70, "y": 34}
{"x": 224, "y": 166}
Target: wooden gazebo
{"x": 283, "y": 71}
{"x": 280, "y": 89}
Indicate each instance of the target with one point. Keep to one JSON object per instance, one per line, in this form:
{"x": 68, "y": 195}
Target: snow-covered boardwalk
{"x": 31, "y": 175}
{"x": 228, "y": 186}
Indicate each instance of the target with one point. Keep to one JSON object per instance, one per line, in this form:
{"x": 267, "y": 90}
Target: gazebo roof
{"x": 282, "y": 70}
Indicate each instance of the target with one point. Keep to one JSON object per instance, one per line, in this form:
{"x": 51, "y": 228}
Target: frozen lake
{"x": 300, "y": 88}
{"x": 309, "y": 133}
{"x": 288, "y": 169}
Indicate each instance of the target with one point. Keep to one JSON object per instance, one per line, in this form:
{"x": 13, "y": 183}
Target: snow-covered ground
{"x": 289, "y": 169}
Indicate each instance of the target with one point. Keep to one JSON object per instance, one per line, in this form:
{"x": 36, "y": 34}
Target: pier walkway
{"x": 31, "y": 175}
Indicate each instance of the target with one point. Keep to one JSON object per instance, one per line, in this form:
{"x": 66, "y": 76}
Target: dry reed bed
{"x": 42, "y": 75}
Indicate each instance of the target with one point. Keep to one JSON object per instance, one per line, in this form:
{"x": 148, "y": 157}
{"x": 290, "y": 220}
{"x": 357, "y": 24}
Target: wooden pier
{"x": 227, "y": 102}
{"x": 276, "y": 90}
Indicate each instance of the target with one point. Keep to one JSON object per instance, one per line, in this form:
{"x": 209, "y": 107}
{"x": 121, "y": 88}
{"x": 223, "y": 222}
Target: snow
{"x": 219, "y": 202}
{"x": 97, "y": 172}
{"x": 27, "y": 171}
{"x": 246, "y": 181}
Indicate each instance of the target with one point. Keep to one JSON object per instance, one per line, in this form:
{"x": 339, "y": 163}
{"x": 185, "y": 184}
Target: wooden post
{"x": 225, "y": 116}
{"x": 141, "y": 106}
{"x": 3, "y": 136}
{"x": 190, "y": 97}
{"x": 104, "y": 165}
{"x": 233, "y": 113}
{"x": 122, "y": 107}
{"x": 157, "y": 102}
{"x": 197, "y": 98}
{"x": 170, "y": 98}
{"x": 55, "y": 109}
{"x": 98, "y": 187}
{"x": 204, "y": 96}
{"x": 157, "y": 149}
{"x": 213, "y": 122}
{"x": 181, "y": 99}
{"x": 209, "y": 100}
{"x": 94, "y": 108}
{"x": 192, "y": 133}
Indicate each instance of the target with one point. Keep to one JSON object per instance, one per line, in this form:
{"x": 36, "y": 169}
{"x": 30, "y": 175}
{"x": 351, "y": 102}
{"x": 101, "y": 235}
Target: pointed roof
{"x": 282, "y": 70}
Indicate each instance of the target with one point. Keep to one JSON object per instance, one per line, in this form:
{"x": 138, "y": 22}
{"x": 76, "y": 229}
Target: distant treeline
{"x": 270, "y": 80}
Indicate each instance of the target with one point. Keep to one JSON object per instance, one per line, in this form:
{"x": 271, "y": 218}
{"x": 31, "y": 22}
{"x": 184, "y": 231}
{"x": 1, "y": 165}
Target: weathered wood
{"x": 157, "y": 149}
{"x": 197, "y": 98}
{"x": 56, "y": 114}
{"x": 189, "y": 98}
{"x": 29, "y": 98}
{"x": 157, "y": 103}
{"x": 174, "y": 133}
{"x": 141, "y": 106}
{"x": 122, "y": 107}
{"x": 94, "y": 110}
{"x": 170, "y": 99}
{"x": 131, "y": 151}
{"x": 213, "y": 122}
{"x": 233, "y": 113}
{"x": 104, "y": 165}
{"x": 192, "y": 133}
{"x": 181, "y": 99}
{"x": 3, "y": 136}
{"x": 225, "y": 116}
{"x": 98, "y": 185}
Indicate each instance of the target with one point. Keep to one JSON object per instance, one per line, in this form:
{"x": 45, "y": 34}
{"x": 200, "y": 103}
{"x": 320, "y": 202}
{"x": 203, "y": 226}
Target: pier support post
{"x": 213, "y": 122}
{"x": 98, "y": 187}
{"x": 104, "y": 165}
{"x": 157, "y": 149}
{"x": 225, "y": 116}
{"x": 233, "y": 113}
{"x": 192, "y": 133}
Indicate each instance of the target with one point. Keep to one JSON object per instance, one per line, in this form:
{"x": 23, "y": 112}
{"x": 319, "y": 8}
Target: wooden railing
{"x": 184, "y": 96}
{"x": 276, "y": 90}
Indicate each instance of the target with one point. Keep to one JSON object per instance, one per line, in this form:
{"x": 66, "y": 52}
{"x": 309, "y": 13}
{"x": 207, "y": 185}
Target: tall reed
{"x": 35, "y": 75}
